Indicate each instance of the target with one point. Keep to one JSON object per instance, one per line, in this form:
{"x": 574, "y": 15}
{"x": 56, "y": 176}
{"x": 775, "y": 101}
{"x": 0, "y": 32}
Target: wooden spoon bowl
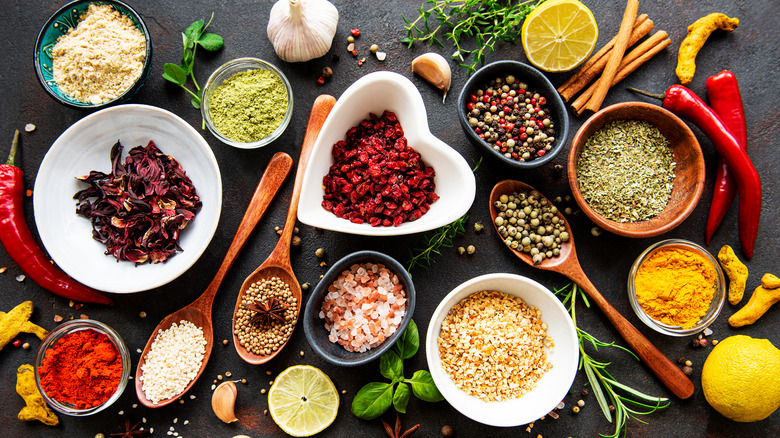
{"x": 199, "y": 311}
{"x": 278, "y": 262}
{"x": 568, "y": 264}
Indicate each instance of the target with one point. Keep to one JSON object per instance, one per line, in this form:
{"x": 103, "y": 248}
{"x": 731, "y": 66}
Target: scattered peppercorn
{"x": 17, "y": 343}
{"x": 305, "y": 286}
{"x": 319, "y": 252}
{"x": 470, "y": 249}
{"x": 374, "y": 48}
{"x": 575, "y": 409}
{"x": 296, "y": 241}
{"x": 584, "y": 392}
{"x": 142, "y": 314}
{"x": 695, "y": 343}
{"x": 595, "y": 231}
{"x": 688, "y": 363}
{"x": 355, "y": 32}
{"x": 611, "y": 408}
{"x": 529, "y": 223}
{"x": 680, "y": 359}
{"x": 687, "y": 370}
{"x": 243, "y": 381}
{"x": 461, "y": 250}
{"x": 703, "y": 342}
{"x": 350, "y": 39}
{"x": 327, "y": 73}
{"x": 26, "y": 345}
{"x": 302, "y": 353}
{"x": 446, "y": 430}
{"x": 580, "y": 403}
{"x": 478, "y": 227}
{"x": 320, "y": 80}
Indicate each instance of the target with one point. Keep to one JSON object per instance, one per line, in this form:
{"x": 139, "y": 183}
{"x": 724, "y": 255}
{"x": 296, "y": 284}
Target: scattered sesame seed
{"x": 343, "y": 391}
{"x": 138, "y": 350}
{"x": 142, "y": 314}
{"x": 580, "y": 403}
{"x": 121, "y": 412}
{"x": 186, "y": 421}
{"x": 175, "y": 420}
{"x": 224, "y": 342}
{"x": 135, "y": 405}
{"x": 302, "y": 353}
{"x": 29, "y": 127}
{"x": 192, "y": 396}
{"x": 262, "y": 391}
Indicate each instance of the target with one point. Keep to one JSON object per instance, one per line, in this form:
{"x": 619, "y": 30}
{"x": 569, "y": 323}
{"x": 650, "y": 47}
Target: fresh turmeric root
{"x": 736, "y": 271}
{"x": 698, "y": 32}
{"x": 762, "y": 299}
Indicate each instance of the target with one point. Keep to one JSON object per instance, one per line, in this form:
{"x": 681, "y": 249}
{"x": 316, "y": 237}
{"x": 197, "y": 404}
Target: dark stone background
{"x": 751, "y": 52}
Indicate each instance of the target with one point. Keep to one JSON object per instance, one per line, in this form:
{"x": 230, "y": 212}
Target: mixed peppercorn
{"x": 514, "y": 120}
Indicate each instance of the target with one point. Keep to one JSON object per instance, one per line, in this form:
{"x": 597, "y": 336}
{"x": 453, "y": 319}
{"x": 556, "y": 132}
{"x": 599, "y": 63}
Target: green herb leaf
{"x": 401, "y": 397}
{"x": 423, "y": 387}
{"x": 391, "y": 366}
{"x": 192, "y": 33}
{"x": 372, "y": 400}
{"x": 195, "y": 100}
{"x": 174, "y": 73}
{"x": 211, "y": 41}
{"x": 409, "y": 342}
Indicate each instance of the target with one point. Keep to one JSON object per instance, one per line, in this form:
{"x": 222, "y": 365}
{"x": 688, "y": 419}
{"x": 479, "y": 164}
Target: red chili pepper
{"x": 685, "y": 103}
{"x": 21, "y": 246}
{"x": 726, "y": 100}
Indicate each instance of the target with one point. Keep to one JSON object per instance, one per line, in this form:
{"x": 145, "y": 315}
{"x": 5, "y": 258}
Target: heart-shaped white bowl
{"x": 375, "y": 93}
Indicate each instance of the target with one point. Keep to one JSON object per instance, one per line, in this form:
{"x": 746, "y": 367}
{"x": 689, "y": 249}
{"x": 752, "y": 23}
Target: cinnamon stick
{"x": 643, "y": 53}
{"x": 595, "y": 65}
{"x": 611, "y": 69}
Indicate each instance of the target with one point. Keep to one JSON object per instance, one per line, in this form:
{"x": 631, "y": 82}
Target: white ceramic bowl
{"x": 375, "y": 93}
{"x": 84, "y": 147}
{"x": 553, "y": 385}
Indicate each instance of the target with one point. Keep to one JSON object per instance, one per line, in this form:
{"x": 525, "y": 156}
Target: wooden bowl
{"x": 689, "y": 171}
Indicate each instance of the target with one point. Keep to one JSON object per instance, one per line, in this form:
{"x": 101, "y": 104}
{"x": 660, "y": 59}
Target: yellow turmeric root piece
{"x": 16, "y": 321}
{"x": 36, "y": 408}
{"x": 736, "y": 271}
{"x": 698, "y": 32}
{"x": 762, "y": 299}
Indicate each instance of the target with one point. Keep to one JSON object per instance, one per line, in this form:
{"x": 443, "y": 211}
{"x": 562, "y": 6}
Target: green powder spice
{"x": 626, "y": 171}
{"x": 249, "y": 105}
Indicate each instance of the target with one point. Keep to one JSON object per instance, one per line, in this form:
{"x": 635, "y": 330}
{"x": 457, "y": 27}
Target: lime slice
{"x": 559, "y": 35}
{"x": 303, "y": 400}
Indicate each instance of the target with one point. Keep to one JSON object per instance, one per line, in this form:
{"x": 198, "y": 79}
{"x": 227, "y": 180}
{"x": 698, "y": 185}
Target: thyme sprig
{"x": 488, "y": 22}
{"x": 441, "y": 239}
{"x": 627, "y": 401}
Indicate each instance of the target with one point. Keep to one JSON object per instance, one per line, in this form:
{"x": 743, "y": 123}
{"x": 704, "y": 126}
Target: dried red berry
{"x": 355, "y": 32}
{"x": 376, "y": 177}
{"x": 17, "y": 343}
{"x": 321, "y": 80}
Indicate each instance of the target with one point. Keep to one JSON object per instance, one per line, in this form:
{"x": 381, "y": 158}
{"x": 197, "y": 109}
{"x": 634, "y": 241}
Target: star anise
{"x": 131, "y": 432}
{"x": 396, "y": 432}
{"x": 267, "y": 311}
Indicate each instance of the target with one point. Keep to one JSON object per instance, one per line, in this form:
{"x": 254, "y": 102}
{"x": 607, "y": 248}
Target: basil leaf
{"x": 192, "y": 34}
{"x": 424, "y": 388}
{"x": 174, "y": 73}
{"x": 211, "y": 41}
{"x": 401, "y": 397}
{"x": 391, "y": 366}
{"x": 372, "y": 400}
{"x": 409, "y": 342}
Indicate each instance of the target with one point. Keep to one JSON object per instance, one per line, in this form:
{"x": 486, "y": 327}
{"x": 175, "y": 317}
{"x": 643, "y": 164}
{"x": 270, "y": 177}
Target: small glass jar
{"x": 718, "y": 298}
{"x": 71, "y": 327}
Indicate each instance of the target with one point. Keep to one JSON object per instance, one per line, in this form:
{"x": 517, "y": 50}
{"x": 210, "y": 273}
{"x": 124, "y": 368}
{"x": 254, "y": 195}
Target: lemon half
{"x": 303, "y": 400}
{"x": 559, "y": 35}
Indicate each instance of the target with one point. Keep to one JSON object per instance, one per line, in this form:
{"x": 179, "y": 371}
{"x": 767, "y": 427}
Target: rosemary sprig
{"x": 441, "y": 239}
{"x": 486, "y": 21}
{"x": 627, "y": 401}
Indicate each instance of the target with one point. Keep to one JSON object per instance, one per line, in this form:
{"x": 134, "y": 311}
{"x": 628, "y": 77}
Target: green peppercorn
{"x": 471, "y": 249}
{"x": 461, "y": 250}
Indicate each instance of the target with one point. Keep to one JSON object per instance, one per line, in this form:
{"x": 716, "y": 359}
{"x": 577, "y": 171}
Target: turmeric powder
{"x": 762, "y": 299}
{"x": 736, "y": 271}
{"x": 698, "y": 32}
{"x": 675, "y": 286}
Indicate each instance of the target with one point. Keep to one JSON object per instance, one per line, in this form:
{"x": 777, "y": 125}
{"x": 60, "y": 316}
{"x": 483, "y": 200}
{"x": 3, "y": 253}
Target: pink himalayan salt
{"x": 363, "y": 307}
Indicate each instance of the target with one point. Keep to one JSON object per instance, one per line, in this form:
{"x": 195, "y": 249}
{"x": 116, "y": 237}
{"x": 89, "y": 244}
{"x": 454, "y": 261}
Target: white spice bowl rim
{"x": 554, "y": 384}
{"x": 718, "y": 298}
{"x": 225, "y": 72}
{"x": 71, "y": 327}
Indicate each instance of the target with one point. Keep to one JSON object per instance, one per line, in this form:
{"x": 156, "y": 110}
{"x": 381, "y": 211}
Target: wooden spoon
{"x": 199, "y": 311}
{"x": 568, "y": 264}
{"x": 278, "y": 262}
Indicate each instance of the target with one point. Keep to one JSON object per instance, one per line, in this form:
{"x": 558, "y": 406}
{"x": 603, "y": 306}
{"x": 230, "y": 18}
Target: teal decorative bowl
{"x": 64, "y": 19}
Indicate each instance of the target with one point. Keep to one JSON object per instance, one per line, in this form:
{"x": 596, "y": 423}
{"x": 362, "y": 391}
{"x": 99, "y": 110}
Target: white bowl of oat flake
{"x": 518, "y": 315}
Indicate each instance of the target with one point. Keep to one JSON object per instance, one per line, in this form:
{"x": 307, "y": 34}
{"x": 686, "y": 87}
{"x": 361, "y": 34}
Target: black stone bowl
{"x": 314, "y": 327}
{"x": 536, "y": 81}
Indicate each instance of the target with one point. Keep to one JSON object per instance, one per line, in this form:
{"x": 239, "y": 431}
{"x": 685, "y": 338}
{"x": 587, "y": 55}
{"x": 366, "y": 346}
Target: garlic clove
{"x": 300, "y": 30}
{"x": 223, "y": 401}
{"x": 433, "y": 68}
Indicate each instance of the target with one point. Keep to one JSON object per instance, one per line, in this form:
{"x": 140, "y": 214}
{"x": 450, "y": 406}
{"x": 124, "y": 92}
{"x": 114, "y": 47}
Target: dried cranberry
{"x": 376, "y": 177}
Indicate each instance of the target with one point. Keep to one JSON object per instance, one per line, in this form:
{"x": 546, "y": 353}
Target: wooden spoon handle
{"x": 663, "y": 368}
{"x": 319, "y": 112}
{"x": 273, "y": 177}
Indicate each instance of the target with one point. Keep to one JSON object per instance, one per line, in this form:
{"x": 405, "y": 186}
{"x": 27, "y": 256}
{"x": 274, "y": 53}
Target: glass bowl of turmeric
{"x": 676, "y": 287}
{"x": 82, "y": 367}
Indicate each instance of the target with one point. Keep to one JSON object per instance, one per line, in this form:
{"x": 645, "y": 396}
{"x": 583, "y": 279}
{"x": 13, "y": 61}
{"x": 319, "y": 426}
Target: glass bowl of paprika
{"x": 82, "y": 367}
{"x": 676, "y": 287}
{"x": 247, "y": 103}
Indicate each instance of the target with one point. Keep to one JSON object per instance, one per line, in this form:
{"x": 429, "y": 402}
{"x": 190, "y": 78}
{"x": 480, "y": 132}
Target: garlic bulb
{"x": 301, "y": 30}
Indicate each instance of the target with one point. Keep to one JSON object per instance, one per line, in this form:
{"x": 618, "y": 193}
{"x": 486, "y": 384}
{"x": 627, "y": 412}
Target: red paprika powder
{"x": 83, "y": 369}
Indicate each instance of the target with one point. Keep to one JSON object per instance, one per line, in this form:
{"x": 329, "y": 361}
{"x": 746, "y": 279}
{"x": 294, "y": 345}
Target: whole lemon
{"x": 740, "y": 378}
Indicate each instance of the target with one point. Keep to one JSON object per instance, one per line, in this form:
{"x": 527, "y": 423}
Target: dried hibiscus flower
{"x": 139, "y": 209}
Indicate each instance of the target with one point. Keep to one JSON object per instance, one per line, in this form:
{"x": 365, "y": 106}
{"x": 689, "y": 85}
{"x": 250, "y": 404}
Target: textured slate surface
{"x": 750, "y": 51}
